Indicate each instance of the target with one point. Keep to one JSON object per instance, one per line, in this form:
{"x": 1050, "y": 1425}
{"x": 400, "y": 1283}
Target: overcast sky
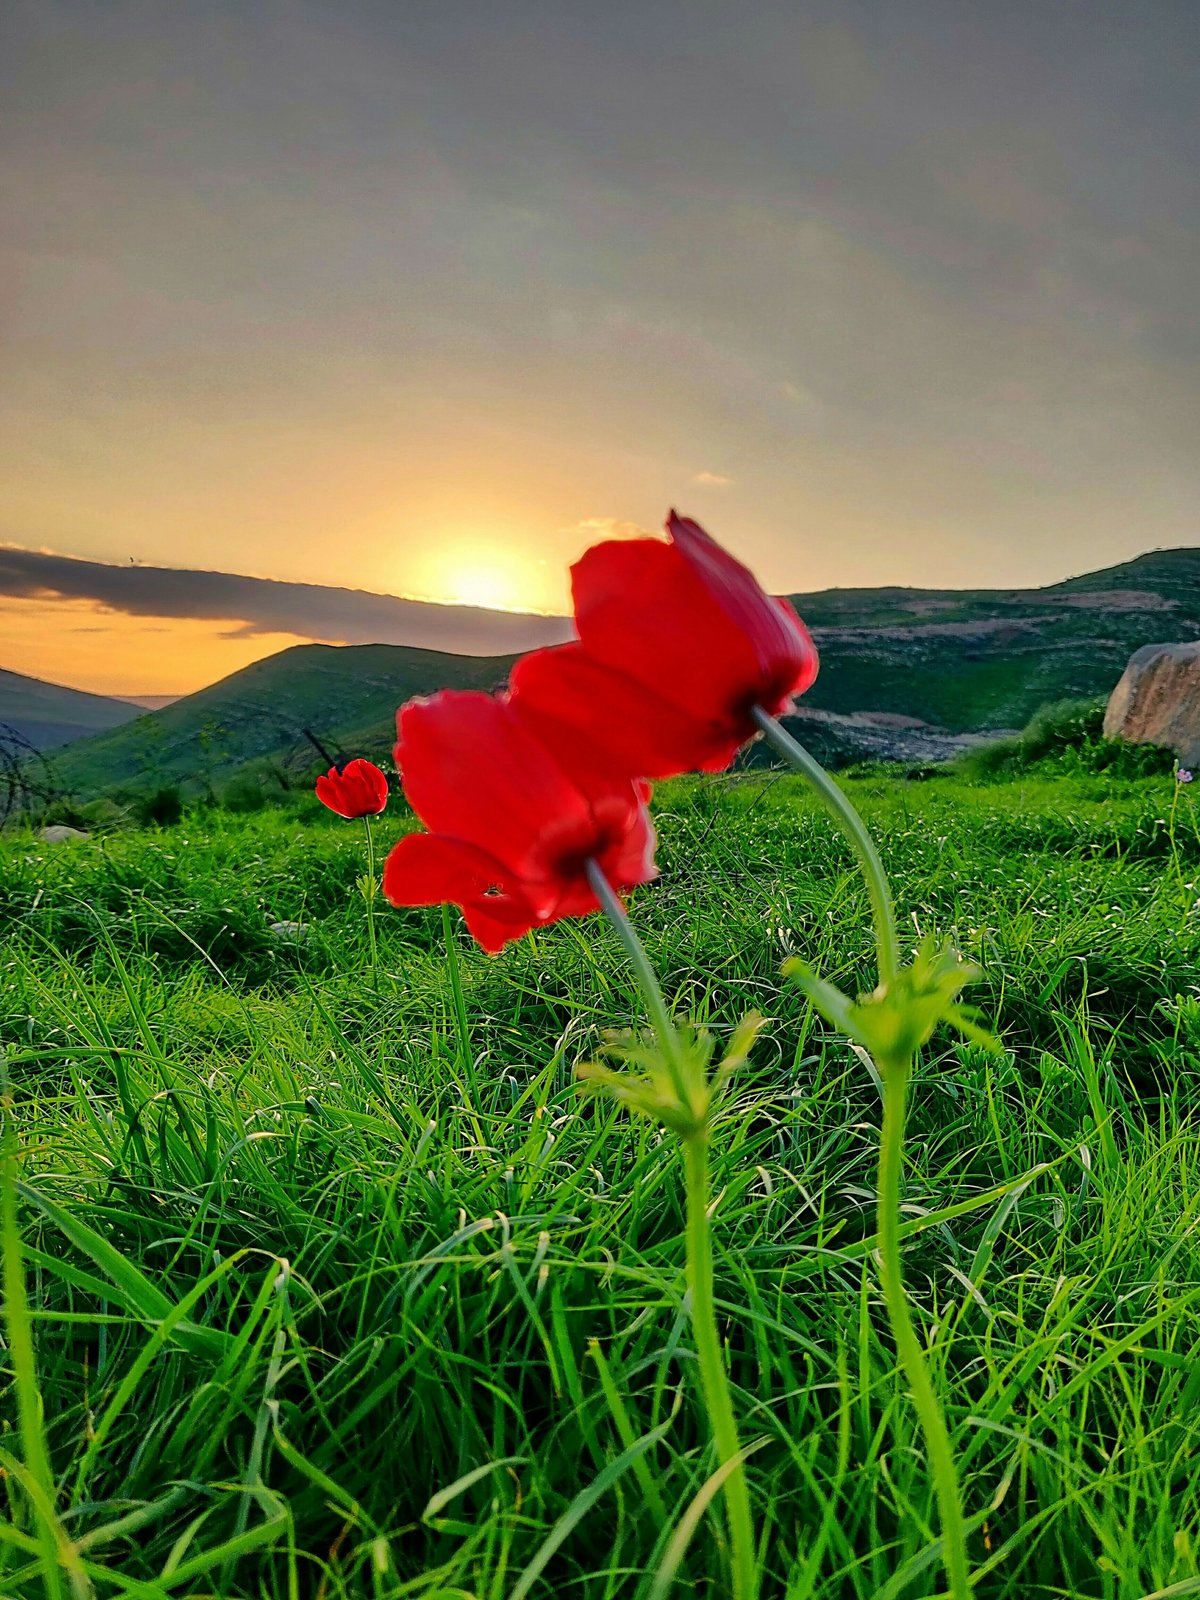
{"x": 423, "y": 297}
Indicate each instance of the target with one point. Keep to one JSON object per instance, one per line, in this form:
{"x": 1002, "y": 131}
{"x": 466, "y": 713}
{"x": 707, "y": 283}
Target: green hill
{"x": 986, "y": 659}
{"x": 345, "y": 696}
{"x": 906, "y": 672}
{"x": 48, "y": 714}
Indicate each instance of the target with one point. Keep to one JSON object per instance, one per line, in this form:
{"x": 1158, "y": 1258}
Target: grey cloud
{"x": 262, "y": 605}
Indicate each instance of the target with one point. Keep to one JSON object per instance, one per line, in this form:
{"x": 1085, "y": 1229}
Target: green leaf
{"x": 895, "y": 1021}
{"x": 677, "y": 1092}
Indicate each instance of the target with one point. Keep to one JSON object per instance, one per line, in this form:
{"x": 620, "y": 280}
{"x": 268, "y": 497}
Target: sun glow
{"x": 480, "y": 572}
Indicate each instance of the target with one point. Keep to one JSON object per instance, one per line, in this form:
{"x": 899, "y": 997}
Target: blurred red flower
{"x": 359, "y": 789}
{"x": 677, "y": 644}
{"x": 512, "y": 825}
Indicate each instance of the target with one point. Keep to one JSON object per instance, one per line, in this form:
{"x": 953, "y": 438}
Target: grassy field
{"x": 337, "y": 1288}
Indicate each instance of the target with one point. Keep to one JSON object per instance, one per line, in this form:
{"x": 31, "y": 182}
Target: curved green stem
{"x": 370, "y": 899}
{"x": 896, "y": 1076}
{"x": 714, "y": 1382}
{"x": 851, "y": 824}
{"x": 462, "y": 1025}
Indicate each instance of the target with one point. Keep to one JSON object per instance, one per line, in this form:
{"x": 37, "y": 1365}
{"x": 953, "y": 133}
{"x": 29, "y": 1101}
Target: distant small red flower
{"x": 677, "y": 644}
{"x": 512, "y": 826}
{"x": 359, "y": 789}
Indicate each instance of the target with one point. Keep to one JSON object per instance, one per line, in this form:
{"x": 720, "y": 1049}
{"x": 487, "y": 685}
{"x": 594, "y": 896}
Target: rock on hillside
{"x": 1157, "y": 700}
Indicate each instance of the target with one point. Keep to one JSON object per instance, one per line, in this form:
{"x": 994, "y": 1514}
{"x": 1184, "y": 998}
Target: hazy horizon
{"x": 260, "y": 616}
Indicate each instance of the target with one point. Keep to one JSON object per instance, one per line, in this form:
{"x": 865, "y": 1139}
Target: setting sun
{"x": 480, "y": 572}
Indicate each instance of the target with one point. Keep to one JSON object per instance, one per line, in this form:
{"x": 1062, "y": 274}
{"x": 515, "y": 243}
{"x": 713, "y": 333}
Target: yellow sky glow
{"x": 85, "y": 646}
{"x": 475, "y": 569}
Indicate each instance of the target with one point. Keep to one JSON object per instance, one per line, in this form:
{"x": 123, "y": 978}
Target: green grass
{"x": 327, "y": 1299}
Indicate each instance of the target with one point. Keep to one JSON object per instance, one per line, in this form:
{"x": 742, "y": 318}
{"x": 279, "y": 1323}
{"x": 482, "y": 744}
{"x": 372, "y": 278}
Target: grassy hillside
{"x": 262, "y": 712}
{"x": 969, "y": 660}
{"x": 964, "y": 661}
{"x": 48, "y": 715}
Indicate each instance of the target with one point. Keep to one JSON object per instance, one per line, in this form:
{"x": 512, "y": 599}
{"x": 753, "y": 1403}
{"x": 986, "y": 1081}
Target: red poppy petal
{"x": 630, "y": 860}
{"x": 693, "y": 624}
{"x": 587, "y": 712}
{"x": 785, "y": 651}
{"x": 472, "y": 769}
{"x": 805, "y": 651}
{"x": 626, "y": 864}
{"x": 331, "y": 793}
{"x": 427, "y": 869}
{"x": 627, "y": 860}
{"x": 641, "y": 608}
{"x": 370, "y": 786}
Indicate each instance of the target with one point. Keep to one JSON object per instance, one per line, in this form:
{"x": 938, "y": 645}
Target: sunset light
{"x": 480, "y": 571}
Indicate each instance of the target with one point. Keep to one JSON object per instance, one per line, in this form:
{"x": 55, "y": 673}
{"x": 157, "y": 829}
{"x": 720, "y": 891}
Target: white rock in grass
{"x": 1158, "y": 700}
{"x": 59, "y": 833}
{"x": 291, "y": 932}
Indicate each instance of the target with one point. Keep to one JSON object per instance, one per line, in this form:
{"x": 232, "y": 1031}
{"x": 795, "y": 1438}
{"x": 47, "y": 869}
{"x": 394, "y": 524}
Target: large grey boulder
{"x": 1158, "y": 700}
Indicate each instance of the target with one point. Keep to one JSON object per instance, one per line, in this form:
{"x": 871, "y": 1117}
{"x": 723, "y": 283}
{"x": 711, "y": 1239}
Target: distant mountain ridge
{"x": 49, "y": 714}
{"x": 903, "y": 672}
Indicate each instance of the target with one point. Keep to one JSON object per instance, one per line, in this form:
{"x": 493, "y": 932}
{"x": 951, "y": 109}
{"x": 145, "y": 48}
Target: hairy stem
{"x": 370, "y": 899}
{"x": 895, "y": 1075}
{"x": 652, "y": 994}
{"x": 835, "y": 802}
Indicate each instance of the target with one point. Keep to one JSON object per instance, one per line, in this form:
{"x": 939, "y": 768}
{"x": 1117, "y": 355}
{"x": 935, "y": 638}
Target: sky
{"x": 421, "y": 299}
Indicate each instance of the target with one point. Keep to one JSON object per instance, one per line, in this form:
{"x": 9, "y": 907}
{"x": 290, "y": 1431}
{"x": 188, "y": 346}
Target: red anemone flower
{"x": 512, "y": 825}
{"x": 359, "y": 789}
{"x": 677, "y": 645}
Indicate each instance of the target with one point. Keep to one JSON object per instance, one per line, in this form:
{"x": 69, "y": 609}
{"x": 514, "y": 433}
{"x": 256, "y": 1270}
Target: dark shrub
{"x": 1065, "y": 736}
{"x": 163, "y": 808}
{"x": 243, "y": 794}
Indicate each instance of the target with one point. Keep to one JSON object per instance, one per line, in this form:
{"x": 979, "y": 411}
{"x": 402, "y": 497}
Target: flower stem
{"x": 896, "y": 1075}
{"x": 713, "y": 1379}
{"x": 456, "y": 991}
{"x": 370, "y": 899}
{"x": 851, "y": 824}
{"x": 652, "y": 994}
{"x": 714, "y": 1383}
